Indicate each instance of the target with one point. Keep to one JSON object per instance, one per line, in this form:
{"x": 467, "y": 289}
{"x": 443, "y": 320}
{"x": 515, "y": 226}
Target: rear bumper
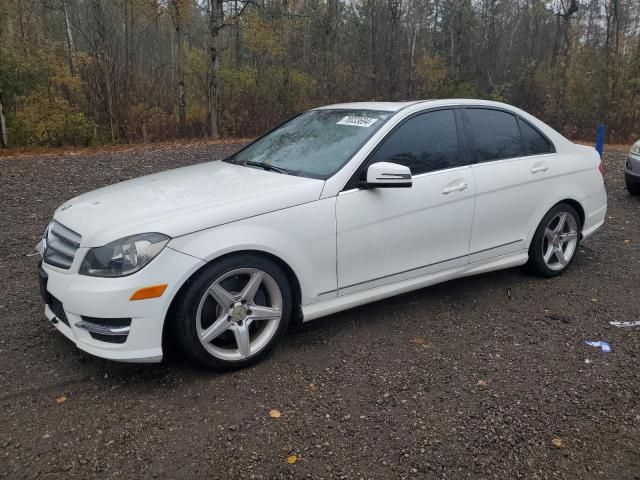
{"x": 81, "y": 305}
{"x": 595, "y": 207}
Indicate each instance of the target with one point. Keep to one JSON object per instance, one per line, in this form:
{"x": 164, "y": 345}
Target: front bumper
{"x": 632, "y": 169}
{"x": 74, "y": 299}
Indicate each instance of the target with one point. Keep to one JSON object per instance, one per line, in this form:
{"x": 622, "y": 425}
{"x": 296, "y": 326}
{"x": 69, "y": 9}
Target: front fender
{"x": 303, "y": 237}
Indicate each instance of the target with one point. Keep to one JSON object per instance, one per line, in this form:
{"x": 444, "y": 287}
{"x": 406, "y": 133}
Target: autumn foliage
{"x": 82, "y": 72}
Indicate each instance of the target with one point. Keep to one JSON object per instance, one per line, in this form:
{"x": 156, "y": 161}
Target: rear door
{"x": 386, "y": 235}
{"x": 512, "y": 164}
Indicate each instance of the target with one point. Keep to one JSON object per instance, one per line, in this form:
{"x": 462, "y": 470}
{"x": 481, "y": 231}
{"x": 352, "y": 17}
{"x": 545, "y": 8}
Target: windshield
{"x": 315, "y": 144}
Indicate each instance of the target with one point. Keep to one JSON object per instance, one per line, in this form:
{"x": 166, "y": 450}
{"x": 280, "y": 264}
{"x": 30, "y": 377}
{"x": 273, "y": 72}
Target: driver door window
{"x": 424, "y": 143}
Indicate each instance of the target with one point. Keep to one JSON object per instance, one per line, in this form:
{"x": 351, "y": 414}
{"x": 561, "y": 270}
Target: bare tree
{"x": 4, "y": 138}
{"x": 178, "y": 12}
{"x": 216, "y": 22}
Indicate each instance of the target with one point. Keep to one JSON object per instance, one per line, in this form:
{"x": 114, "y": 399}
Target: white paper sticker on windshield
{"x": 355, "y": 121}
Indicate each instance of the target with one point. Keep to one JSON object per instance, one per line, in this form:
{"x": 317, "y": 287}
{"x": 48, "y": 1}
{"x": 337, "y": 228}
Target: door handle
{"x": 539, "y": 168}
{"x": 454, "y": 188}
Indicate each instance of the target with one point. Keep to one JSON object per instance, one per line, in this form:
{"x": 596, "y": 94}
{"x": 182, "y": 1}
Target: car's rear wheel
{"x": 231, "y": 314}
{"x": 555, "y": 242}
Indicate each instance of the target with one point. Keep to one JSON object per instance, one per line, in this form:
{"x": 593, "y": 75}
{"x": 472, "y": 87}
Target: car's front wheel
{"x": 633, "y": 185}
{"x": 555, "y": 242}
{"x": 231, "y": 314}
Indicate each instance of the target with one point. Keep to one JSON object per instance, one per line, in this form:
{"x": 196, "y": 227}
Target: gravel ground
{"x": 484, "y": 377}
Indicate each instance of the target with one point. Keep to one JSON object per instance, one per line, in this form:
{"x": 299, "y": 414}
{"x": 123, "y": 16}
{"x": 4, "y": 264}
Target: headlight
{"x": 124, "y": 256}
{"x": 636, "y": 148}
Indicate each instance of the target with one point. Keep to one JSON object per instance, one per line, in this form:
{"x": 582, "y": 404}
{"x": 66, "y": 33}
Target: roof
{"x": 396, "y": 106}
{"x": 384, "y": 106}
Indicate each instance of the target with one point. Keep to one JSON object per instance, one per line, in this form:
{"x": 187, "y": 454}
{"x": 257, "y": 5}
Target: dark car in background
{"x": 632, "y": 169}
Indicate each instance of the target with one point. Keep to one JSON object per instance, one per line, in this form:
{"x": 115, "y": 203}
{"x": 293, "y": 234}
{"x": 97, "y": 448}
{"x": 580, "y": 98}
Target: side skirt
{"x": 344, "y": 302}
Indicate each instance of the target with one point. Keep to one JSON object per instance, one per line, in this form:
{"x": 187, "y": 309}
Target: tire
{"x": 633, "y": 187}
{"x": 552, "y": 250}
{"x": 212, "y": 305}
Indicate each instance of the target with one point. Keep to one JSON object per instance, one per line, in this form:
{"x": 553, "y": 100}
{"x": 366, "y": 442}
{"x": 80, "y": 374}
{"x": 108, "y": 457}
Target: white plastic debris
{"x": 630, "y": 323}
{"x": 605, "y": 347}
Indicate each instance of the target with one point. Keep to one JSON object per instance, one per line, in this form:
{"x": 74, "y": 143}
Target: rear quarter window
{"x": 535, "y": 142}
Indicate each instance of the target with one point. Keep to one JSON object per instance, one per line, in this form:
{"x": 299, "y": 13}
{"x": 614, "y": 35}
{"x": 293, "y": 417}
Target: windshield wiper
{"x": 266, "y": 166}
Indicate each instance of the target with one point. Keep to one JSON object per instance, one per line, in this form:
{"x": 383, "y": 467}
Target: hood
{"x": 181, "y": 201}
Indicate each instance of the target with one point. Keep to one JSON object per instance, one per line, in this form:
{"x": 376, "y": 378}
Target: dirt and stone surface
{"x": 484, "y": 377}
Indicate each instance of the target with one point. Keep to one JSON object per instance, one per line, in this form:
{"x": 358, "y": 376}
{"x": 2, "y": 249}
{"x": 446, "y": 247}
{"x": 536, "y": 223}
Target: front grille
{"x": 108, "y": 338}
{"x": 61, "y": 245}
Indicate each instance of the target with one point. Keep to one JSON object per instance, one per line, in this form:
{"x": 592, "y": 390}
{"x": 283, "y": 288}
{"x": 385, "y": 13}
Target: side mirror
{"x": 387, "y": 175}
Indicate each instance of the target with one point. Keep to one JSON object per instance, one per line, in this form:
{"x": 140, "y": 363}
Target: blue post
{"x": 602, "y": 130}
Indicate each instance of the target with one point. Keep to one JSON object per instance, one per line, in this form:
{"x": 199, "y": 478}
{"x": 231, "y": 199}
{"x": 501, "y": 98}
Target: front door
{"x": 386, "y": 235}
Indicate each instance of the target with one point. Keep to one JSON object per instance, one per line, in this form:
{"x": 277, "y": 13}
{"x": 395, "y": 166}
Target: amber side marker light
{"x": 154, "y": 291}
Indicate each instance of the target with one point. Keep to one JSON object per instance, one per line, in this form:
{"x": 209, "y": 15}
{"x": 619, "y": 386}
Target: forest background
{"x": 85, "y": 72}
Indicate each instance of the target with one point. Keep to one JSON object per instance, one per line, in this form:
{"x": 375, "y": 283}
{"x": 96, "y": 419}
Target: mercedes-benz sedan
{"x": 340, "y": 206}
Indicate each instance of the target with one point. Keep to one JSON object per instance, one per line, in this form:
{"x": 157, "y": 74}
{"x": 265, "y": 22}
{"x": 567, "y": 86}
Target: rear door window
{"x": 493, "y": 134}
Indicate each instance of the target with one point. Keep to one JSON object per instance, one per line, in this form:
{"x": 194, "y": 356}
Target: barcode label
{"x": 355, "y": 121}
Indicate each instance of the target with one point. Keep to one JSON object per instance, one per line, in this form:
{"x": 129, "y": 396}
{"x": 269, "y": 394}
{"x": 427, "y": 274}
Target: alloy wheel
{"x": 560, "y": 241}
{"x": 239, "y": 314}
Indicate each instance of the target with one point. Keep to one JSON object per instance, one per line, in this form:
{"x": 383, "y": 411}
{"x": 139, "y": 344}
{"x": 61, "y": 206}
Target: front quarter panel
{"x": 304, "y": 237}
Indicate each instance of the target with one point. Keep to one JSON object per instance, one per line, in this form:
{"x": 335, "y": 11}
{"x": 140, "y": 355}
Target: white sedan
{"x": 340, "y": 206}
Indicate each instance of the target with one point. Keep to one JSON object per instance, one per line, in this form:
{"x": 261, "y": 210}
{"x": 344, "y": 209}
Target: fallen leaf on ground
{"x": 482, "y": 383}
{"x": 557, "y": 442}
{"x": 627, "y": 241}
{"x": 61, "y": 399}
{"x": 275, "y": 413}
{"x": 291, "y": 459}
{"x": 418, "y": 341}
{"x": 594, "y": 300}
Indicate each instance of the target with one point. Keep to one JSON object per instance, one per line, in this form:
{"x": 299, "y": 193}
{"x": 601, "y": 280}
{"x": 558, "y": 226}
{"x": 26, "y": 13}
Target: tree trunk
{"x": 373, "y": 45}
{"x": 182, "y": 99}
{"x": 216, "y": 19}
{"x": 70, "y": 43}
{"x": 237, "y": 44}
{"x": 109, "y": 99}
{"x": 4, "y": 138}
{"x": 564, "y": 78}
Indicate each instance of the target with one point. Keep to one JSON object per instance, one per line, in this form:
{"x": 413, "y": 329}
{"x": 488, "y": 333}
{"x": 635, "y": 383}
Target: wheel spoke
{"x": 549, "y": 253}
{"x": 241, "y": 332}
{"x": 560, "y": 256}
{"x": 220, "y": 295}
{"x": 565, "y": 237}
{"x": 562, "y": 219}
{"x": 264, "y": 313}
{"x": 549, "y": 234}
{"x": 218, "y": 327}
{"x": 251, "y": 288}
